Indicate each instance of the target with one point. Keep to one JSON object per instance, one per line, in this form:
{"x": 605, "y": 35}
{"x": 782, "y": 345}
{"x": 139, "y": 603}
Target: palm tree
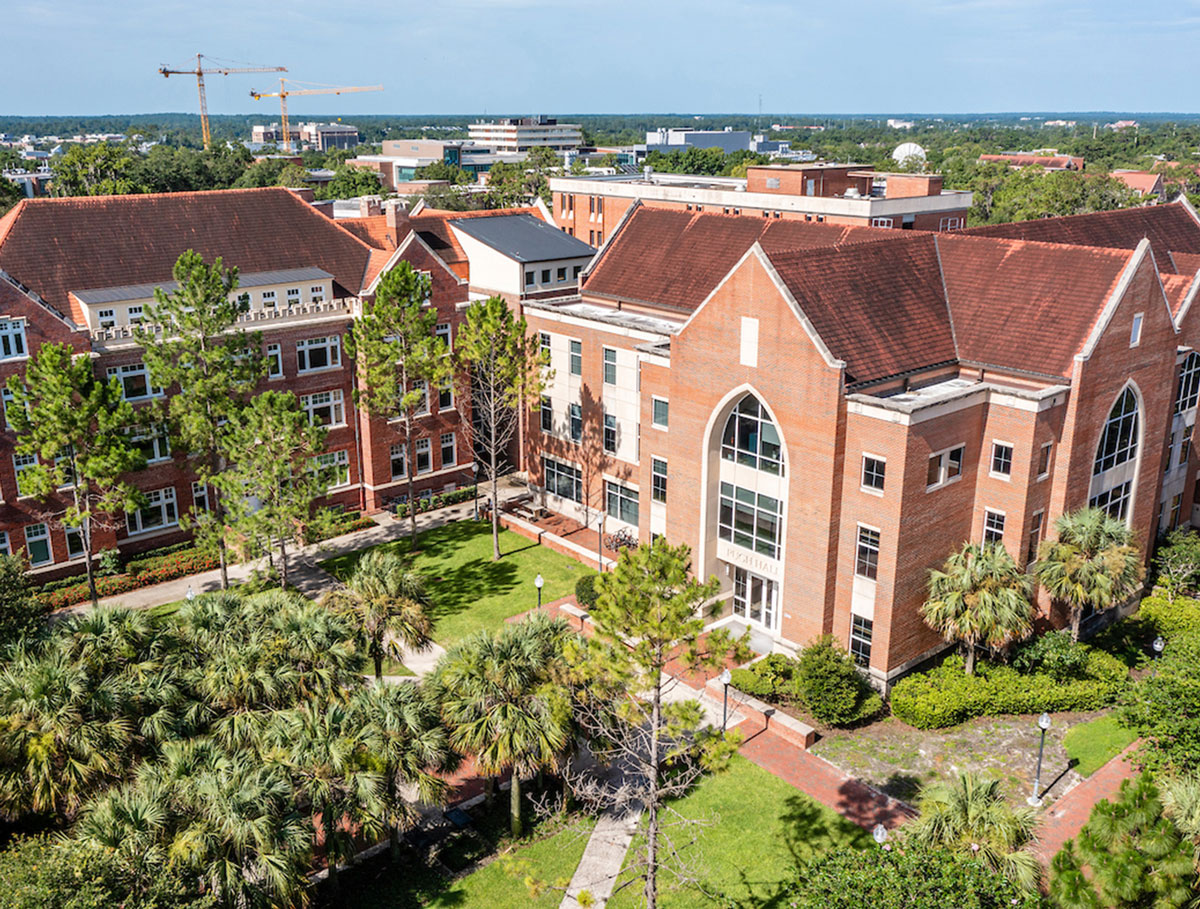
{"x": 969, "y": 815}
{"x": 1092, "y": 563}
{"x": 405, "y": 730}
{"x": 387, "y": 601}
{"x": 499, "y": 697}
{"x": 979, "y": 596}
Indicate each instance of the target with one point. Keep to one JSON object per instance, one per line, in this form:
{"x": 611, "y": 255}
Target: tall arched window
{"x": 1119, "y": 441}
{"x": 750, "y": 437}
{"x": 1189, "y": 383}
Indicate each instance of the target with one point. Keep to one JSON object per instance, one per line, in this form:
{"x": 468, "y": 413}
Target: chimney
{"x": 397, "y": 214}
{"x": 368, "y": 206}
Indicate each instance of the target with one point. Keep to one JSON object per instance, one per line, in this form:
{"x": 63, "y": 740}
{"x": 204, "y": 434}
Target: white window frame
{"x": 860, "y": 545}
{"x": 77, "y": 534}
{"x": 160, "y": 443}
{"x": 992, "y": 471}
{"x": 862, "y": 477}
{"x": 990, "y": 517}
{"x": 422, "y": 407}
{"x": 624, "y": 497}
{"x": 575, "y": 416}
{"x": 882, "y": 222}
{"x": 22, "y": 462}
{"x": 399, "y": 453}
{"x": 130, "y": 370}
{"x": 268, "y": 298}
{"x": 950, "y": 223}
{"x": 331, "y": 344}
{"x": 5, "y": 549}
{"x": 1135, "y": 330}
{"x": 944, "y": 468}
{"x": 293, "y": 296}
{"x": 655, "y": 400}
{"x": 655, "y": 476}
{"x": 316, "y": 293}
{"x": 610, "y": 364}
{"x": 610, "y": 426}
{"x": 575, "y": 356}
{"x": 106, "y": 318}
{"x": 200, "y": 500}
{"x": 135, "y": 315}
{"x": 340, "y": 462}
{"x": 37, "y": 533}
{"x": 442, "y": 330}
{"x": 164, "y": 499}
{"x": 12, "y": 340}
{"x": 274, "y": 361}
{"x": 1033, "y": 539}
{"x": 546, "y": 414}
{"x": 446, "y": 396}
{"x": 862, "y": 637}
{"x": 562, "y": 472}
{"x": 424, "y": 446}
{"x": 452, "y": 445}
{"x": 320, "y": 401}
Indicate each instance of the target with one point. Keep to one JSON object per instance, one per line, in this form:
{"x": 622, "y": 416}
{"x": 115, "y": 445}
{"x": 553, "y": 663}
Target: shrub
{"x": 108, "y": 562}
{"x": 585, "y": 591}
{"x": 1055, "y": 654}
{"x": 947, "y": 696}
{"x": 465, "y": 494}
{"x": 1177, "y": 563}
{"x": 141, "y": 572}
{"x": 20, "y": 611}
{"x": 750, "y": 682}
{"x": 1171, "y": 619}
{"x": 1164, "y": 709}
{"x": 829, "y": 685}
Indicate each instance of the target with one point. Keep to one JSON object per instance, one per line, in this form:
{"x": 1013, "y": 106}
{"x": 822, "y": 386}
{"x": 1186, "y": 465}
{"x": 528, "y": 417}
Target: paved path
{"x": 1066, "y": 817}
{"x": 603, "y": 857}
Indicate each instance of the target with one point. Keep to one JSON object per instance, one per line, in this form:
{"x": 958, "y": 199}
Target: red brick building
{"x": 823, "y": 413}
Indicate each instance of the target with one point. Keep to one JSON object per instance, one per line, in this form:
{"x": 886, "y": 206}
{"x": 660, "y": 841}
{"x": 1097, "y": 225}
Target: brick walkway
{"x": 1066, "y": 817}
{"x": 818, "y": 778}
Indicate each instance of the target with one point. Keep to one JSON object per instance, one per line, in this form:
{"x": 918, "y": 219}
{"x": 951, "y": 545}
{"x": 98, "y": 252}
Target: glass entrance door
{"x": 754, "y": 598}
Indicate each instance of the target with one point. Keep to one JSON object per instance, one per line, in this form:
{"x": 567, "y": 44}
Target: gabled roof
{"x": 523, "y": 238}
{"x": 373, "y": 230}
{"x": 1168, "y": 227}
{"x": 433, "y": 226}
{"x": 879, "y": 307}
{"x": 1176, "y": 287}
{"x": 56, "y": 246}
{"x": 1139, "y": 181}
{"x": 1185, "y": 263}
{"x": 674, "y": 259}
{"x": 1025, "y": 305}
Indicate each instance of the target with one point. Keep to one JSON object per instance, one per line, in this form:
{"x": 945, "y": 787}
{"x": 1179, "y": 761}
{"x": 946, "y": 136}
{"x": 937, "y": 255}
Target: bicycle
{"x": 620, "y": 539}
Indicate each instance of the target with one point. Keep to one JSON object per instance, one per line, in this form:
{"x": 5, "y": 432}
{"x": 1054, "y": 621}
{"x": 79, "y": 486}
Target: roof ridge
{"x": 1083, "y": 214}
{"x": 46, "y": 201}
{"x": 956, "y": 235}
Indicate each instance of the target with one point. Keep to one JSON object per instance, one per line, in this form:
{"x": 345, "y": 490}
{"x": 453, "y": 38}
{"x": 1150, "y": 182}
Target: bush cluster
{"x": 823, "y": 681}
{"x": 153, "y": 568}
{"x": 465, "y": 494}
{"x": 585, "y": 591}
{"x": 1171, "y": 619}
{"x": 947, "y": 696}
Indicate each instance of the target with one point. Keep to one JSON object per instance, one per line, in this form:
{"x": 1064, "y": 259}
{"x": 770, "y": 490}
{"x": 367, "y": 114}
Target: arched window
{"x": 1189, "y": 383}
{"x": 750, "y": 437}
{"x": 1119, "y": 441}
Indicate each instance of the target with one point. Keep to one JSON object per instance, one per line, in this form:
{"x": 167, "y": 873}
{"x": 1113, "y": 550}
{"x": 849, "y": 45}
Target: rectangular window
{"x": 1135, "y": 330}
{"x": 107, "y": 318}
{"x": 749, "y": 520}
{"x": 424, "y": 456}
{"x": 881, "y": 222}
{"x": 74, "y": 537}
{"x": 866, "y": 559}
{"x": 610, "y": 366}
{"x": 134, "y": 315}
{"x": 1002, "y": 455}
{"x": 274, "y": 361}
{"x": 1185, "y": 450}
{"x": 158, "y": 512}
{"x": 325, "y": 408}
{"x": 545, "y": 276}
{"x": 337, "y": 463}
{"x": 37, "y": 545}
{"x": 576, "y": 270}
{"x": 449, "y": 450}
{"x": 873, "y": 470}
{"x": 658, "y": 480}
{"x": 660, "y": 412}
{"x": 135, "y": 381}
{"x": 5, "y": 549}
{"x": 944, "y": 467}
{"x": 1035, "y": 537}
{"x": 562, "y": 480}
{"x": 576, "y": 365}
{"x": 993, "y": 526}
{"x": 547, "y": 414}
{"x": 561, "y": 274}
{"x": 199, "y": 497}
{"x": 610, "y": 433}
{"x": 1043, "y": 468}
{"x": 544, "y": 345}
{"x": 422, "y": 406}
{"x": 1176, "y": 506}
{"x": 622, "y": 502}
{"x": 318, "y": 353}
{"x": 528, "y": 279}
{"x": 153, "y": 444}
{"x": 268, "y": 298}
{"x": 6, "y": 399}
{"x": 293, "y": 296}
{"x": 446, "y": 397}
{"x": 399, "y": 462}
{"x": 860, "y": 639}
{"x": 316, "y": 290}
{"x": 21, "y": 463}
{"x": 442, "y": 330}
{"x": 576, "y": 423}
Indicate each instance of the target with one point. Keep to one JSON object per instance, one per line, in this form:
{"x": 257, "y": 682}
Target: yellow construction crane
{"x": 200, "y": 72}
{"x": 284, "y": 92}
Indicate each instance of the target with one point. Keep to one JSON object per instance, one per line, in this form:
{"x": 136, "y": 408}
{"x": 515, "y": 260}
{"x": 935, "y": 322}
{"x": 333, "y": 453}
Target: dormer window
{"x": 268, "y": 298}
{"x": 135, "y": 315}
{"x": 107, "y": 318}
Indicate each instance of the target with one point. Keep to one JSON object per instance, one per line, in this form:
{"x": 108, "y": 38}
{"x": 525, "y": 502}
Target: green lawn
{"x": 1093, "y": 744}
{"x": 758, "y": 827}
{"x": 468, "y": 590}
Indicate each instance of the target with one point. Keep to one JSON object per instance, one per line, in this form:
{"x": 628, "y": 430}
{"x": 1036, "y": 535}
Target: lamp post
{"x": 1159, "y": 646}
{"x": 475, "y": 486}
{"x": 726, "y": 678}
{"x": 191, "y": 594}
{"x": 880, "y": 834}
{"x": 1035, "y": 800}
{"x": 538, "y": 582}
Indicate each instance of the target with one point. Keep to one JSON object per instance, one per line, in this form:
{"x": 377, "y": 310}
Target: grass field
{"x": 468, "y": 590}
{"x": 1095, "y": 743}
{"x": 757, "y": 826}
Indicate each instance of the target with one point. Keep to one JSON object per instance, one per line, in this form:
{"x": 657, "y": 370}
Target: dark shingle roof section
{"x": 1170, "y": 228}
{"x": 250, "y": 279}
{"x": 56, "y": 246}
{"x": 674, "y": 259}
{"x": 523, "y": 238}
{"x": 879, "y": 307}
{"x": 1024, "y": 305}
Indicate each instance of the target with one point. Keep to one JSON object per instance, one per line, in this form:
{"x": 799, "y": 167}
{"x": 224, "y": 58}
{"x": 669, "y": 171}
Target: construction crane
{"x": 284, "y": 92}
{"x": 200, "y": 72}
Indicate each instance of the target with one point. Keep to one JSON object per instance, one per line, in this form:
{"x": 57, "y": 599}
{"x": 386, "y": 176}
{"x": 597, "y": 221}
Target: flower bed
{"x": 947, "y": 696}
{"x": 438, "y": 501}
{"x": 141, "y": 572}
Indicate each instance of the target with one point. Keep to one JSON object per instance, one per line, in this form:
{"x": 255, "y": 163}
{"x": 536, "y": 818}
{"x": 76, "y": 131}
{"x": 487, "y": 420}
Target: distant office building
{"x": 272, "y": 133}
{"x": 590, "y": 207}
{"x": 900, "y": 124}
{"x": 517, "y": 135}
{"x": 321, "y": 136}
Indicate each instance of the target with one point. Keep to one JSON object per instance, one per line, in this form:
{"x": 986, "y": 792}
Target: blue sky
{"x": 599, "y": 56}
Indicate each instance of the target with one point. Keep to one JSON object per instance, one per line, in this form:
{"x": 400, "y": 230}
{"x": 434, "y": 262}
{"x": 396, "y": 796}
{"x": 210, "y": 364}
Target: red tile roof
{"x": 1176, "y": 288}
{"x": 1185, "y": 263}
{"x": 55, "y": 246}
{"x": 373, "y": 230}
{"x": 1025, "y": 305}
{"x": 880, "y": 307}
{"x": 1140, "y": 181}
{"x": 674, "y": 259}
{"x": 1168, "y": 227}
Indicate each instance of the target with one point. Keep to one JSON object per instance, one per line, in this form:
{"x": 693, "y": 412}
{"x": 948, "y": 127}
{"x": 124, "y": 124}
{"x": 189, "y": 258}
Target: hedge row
{"x": 142, "y": 572}
{"x": 353, "y": 522}
{"x": 947, "y": 696}
{"x": 438, "y": 501}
